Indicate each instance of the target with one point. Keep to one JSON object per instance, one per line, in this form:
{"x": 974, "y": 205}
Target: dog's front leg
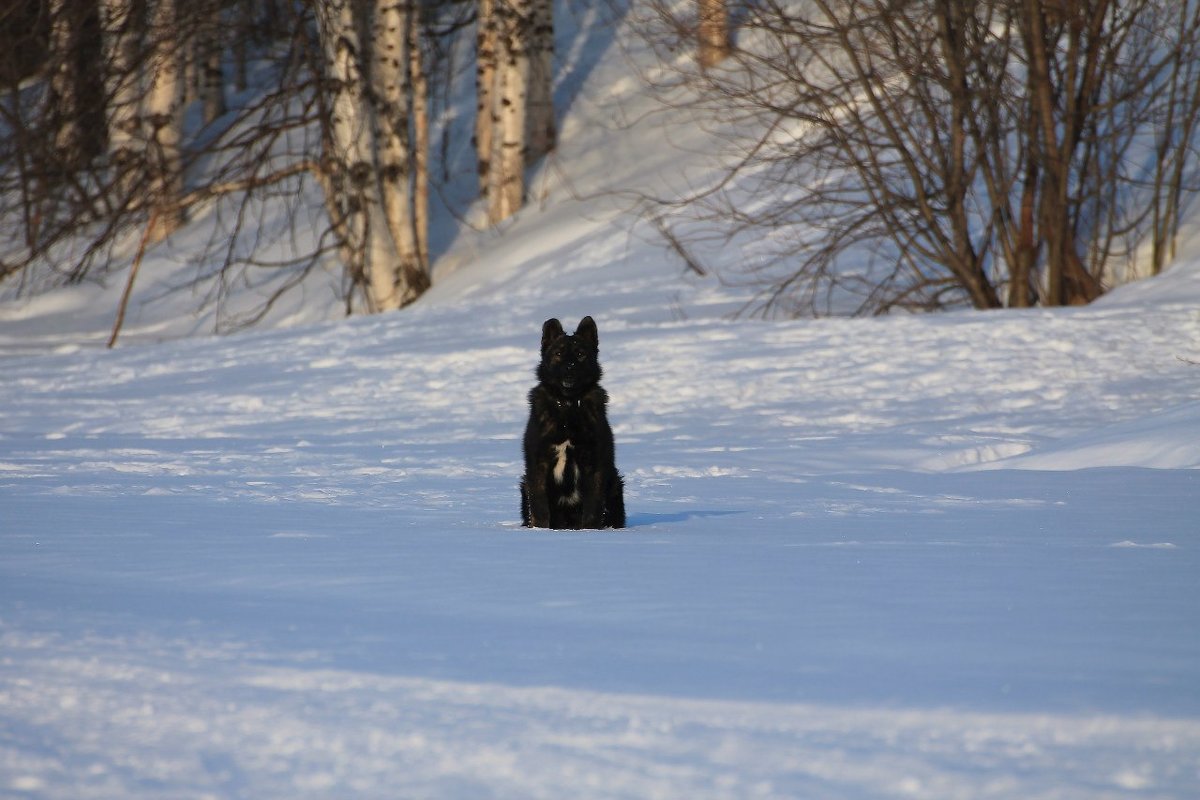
{"x": 592, "y": 501}
{"x": 539, "y": 501}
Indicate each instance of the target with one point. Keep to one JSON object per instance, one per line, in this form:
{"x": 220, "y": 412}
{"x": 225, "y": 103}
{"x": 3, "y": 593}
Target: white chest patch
{"x": 560, "y": 460}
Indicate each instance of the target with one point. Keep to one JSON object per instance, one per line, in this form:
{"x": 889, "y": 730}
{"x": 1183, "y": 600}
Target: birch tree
{"x": 341, "y": 96}
{"x": 368, "y": 167}
{"x": 163, "y": 117}
{"x": 506, "y": 190}
{"x": 514, "y": 122}
{"x": 712, "y": 32}
{"x": 485, "y": 86}
{"x": 119, "y": 32}
{"x": 351, "y": 188}
{"x": 419, "y": 78}
{"x": 391, "y": 92}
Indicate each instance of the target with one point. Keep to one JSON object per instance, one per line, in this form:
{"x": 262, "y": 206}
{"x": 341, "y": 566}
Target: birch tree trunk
{"x": 352, "y": 186}
{"x": 119, "y": 45}
{"x": 163, "y": 117}
{"x": 485, "y": 91}
{"x": 391, "y": 93}
{"x": 420, "y": 150}
{"x": 713, "y": 32}
{"x": 541, "y": 132}
{"x": 506, "y": 190}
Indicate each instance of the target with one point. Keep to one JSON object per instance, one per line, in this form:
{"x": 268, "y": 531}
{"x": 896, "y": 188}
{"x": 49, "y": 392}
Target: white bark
{"x": 713, "y": 32}
{"x": 391, "y": 90}
{"x": 369, "y": 188}
{"x": 506, "y": 191}
{"x": 485, "y": 91}
{"x": 352, "y": 185}
{"x": 162, "y": 114}
{"x": 420, "y": 150}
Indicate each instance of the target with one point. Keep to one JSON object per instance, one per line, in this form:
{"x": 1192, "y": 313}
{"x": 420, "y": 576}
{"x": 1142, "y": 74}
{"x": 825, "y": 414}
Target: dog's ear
{"x": 587, "y": 331}
{"x": 551, "y": 330}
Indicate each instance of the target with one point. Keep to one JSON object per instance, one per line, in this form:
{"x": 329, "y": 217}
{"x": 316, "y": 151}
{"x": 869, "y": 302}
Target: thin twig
{"x": 133, "y": 272}
{"x": 679, "y": 247}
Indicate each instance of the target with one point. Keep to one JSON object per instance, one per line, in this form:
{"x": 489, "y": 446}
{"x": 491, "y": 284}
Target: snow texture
{"x": 942, "y": 556}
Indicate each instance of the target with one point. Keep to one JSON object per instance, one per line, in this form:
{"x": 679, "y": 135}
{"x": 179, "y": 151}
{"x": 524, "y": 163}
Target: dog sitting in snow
{"x": 571, "y": 478}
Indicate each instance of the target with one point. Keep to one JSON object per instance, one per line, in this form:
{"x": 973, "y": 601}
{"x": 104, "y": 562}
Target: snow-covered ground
{"x": 945, "y": 556}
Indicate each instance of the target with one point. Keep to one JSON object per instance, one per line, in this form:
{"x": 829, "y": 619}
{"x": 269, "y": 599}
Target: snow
{"x": 938, "y": 556}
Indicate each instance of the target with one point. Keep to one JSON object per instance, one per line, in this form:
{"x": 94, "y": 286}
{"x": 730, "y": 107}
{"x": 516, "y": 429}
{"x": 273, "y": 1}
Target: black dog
{"x": 571, "y": 478}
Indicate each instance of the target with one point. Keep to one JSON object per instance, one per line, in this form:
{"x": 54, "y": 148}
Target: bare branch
{"x": 910, "y": 154}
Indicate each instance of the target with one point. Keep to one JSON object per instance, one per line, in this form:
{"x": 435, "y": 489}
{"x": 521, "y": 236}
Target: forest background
{"x": 869, "y": 155}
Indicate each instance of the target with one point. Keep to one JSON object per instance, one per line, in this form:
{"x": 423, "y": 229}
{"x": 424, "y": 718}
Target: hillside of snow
{"x": 939, "y": 556}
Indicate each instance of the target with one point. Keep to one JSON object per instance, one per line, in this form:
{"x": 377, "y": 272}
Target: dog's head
{"x": 570, "y": 362}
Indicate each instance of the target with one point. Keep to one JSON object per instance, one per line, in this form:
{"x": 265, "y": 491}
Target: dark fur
{"x": 575, "y": 485}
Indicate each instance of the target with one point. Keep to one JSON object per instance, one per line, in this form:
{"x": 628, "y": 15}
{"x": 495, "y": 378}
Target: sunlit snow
{"x": 940, "y": 556}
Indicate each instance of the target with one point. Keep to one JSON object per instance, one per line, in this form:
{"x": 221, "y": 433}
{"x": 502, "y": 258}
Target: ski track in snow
{"x": 939, "y": 556}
